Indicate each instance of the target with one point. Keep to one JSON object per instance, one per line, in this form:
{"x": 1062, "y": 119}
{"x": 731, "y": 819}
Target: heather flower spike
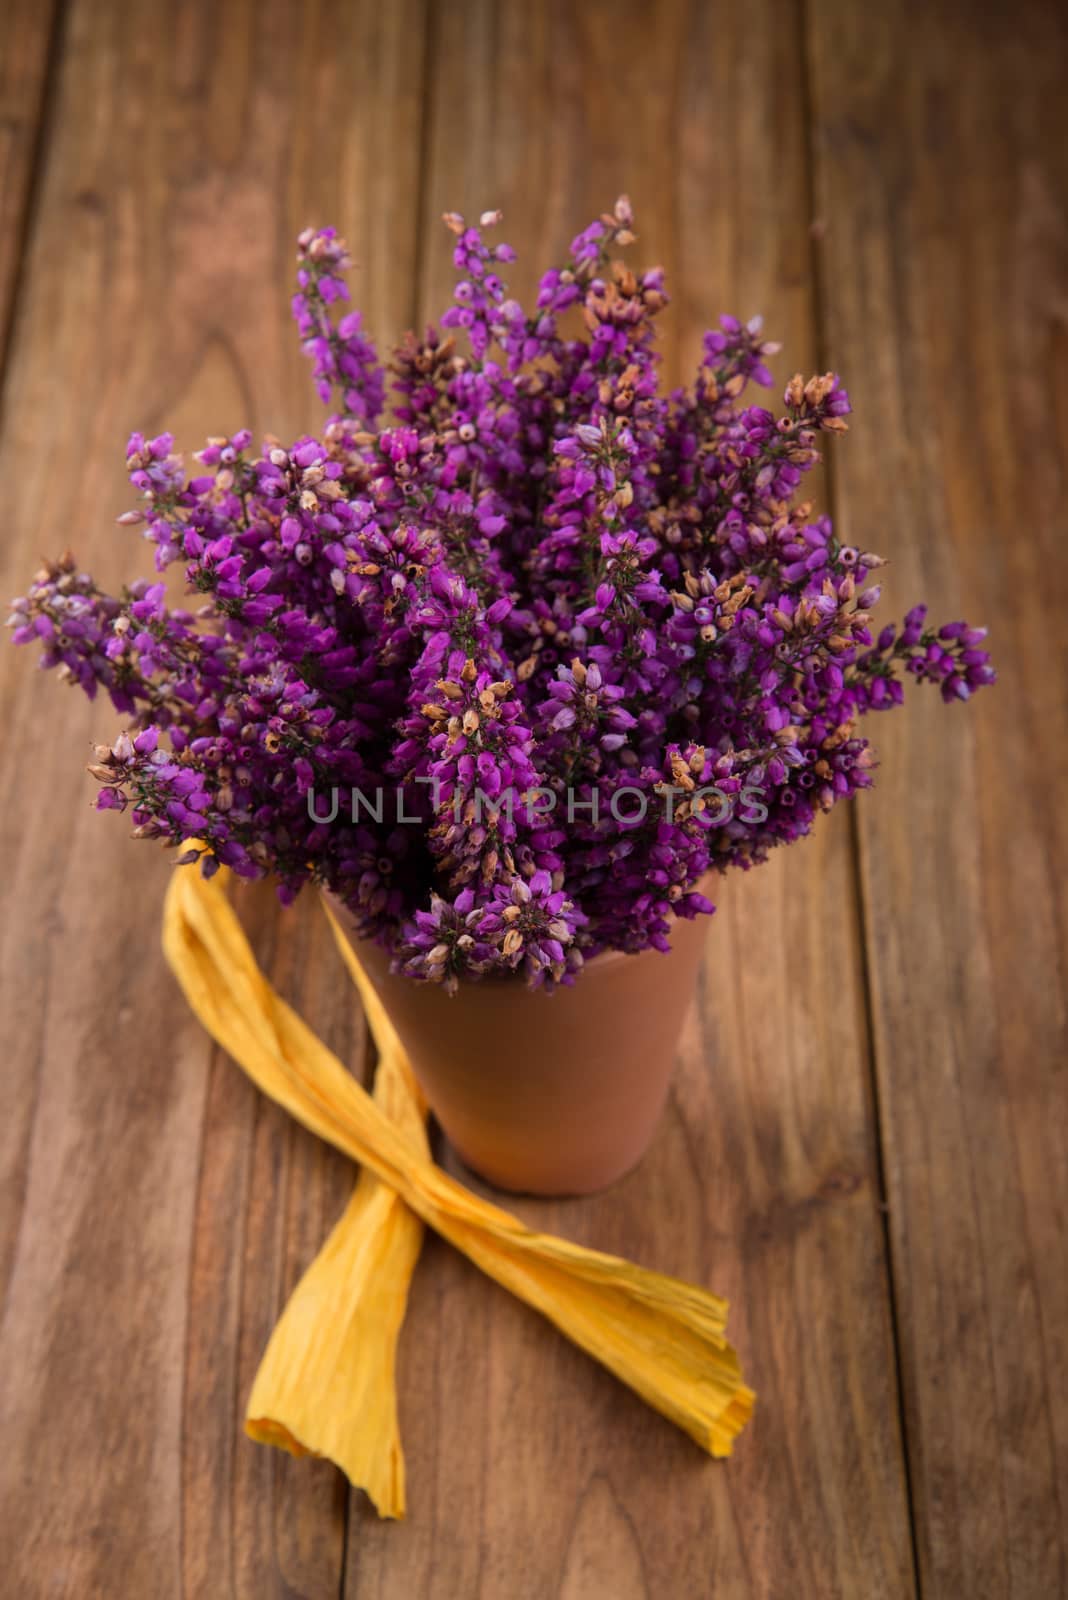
{"x": 511, "y": 662}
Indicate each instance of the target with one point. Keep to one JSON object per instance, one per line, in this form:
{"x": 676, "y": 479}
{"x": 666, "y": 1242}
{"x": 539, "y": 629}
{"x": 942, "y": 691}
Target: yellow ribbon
{"x": 326, "y": 1384}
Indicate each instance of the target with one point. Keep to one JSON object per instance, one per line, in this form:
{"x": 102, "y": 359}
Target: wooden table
{"x": 866, "y": 1143}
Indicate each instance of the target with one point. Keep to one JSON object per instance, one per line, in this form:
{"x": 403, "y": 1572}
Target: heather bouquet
{"x": 508, "y": 659}
{"x": 519, "y": 646}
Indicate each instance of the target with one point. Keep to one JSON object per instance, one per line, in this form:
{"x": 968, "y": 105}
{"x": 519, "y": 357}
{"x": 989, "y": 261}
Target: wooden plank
{"x": 531, "y": 1473}
{"x": 942, "y": 145}
{"x": 156, "y": 1209}
{"x": 28, "y": 36}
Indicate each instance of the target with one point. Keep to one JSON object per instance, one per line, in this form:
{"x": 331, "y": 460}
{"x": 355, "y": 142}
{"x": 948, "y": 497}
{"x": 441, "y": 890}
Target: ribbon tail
{"x": 326, "y": 1385}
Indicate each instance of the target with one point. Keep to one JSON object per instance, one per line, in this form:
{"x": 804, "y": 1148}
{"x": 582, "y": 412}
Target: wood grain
{"x": 942, "y": 159}
{"x": 28, "y": 28}
{"x": 155, "y": 1210}
{"x": 531, "y": 1473}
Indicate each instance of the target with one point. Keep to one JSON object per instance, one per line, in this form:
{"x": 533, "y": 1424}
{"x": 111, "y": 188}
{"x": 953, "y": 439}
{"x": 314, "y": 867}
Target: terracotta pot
{"x": 552, "y": 1094}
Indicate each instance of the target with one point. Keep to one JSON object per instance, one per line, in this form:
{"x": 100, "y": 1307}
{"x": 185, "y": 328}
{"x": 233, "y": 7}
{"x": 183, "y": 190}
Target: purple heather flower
{"x": 514, "y": 669}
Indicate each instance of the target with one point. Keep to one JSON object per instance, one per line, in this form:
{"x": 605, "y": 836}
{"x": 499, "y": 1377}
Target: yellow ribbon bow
{"x": 326, "y": 1385}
